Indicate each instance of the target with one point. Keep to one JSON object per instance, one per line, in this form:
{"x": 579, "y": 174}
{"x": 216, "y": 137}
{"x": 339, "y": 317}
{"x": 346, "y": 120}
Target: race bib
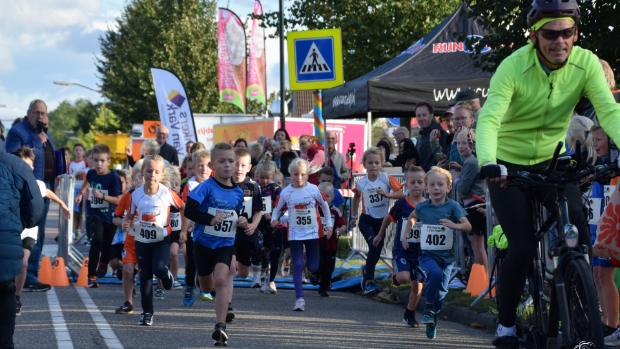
{"x": 594, "y": 211}
{"x": 175, "y": 221}
{"x": 608, "y": 191}
{"x": 413, "y": 235}
{"x": 267, "y": 204}
{"x": 226, "y": 228}
{"x": 98, "y": 203}
{"x": 436, "y": 237}
{"x": 247, "y": 207}
{"x": 147, "y": 232}
{"x": 372, "y": 198}
{"x": 302, "y": 218}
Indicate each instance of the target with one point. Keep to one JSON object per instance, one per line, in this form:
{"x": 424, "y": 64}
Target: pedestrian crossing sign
{"x": 315, "y": 59}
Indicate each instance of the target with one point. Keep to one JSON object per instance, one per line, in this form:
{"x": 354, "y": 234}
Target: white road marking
{"x": 102, "y": 325}
{"x": 63, "y": 338}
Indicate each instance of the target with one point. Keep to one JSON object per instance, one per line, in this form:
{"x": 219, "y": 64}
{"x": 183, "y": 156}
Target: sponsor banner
{"x": 257, "y": 75}
{"x": 231, "y": 69}
{"x": 174, "y": 109}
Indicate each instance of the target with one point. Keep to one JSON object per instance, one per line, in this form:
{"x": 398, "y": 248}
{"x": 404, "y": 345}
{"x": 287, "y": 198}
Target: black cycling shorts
{"x": 244, "y": 251}
{"x": 206, "y": 258}
{"x": 28, "y": 243}
{"x": 175, "y": 236}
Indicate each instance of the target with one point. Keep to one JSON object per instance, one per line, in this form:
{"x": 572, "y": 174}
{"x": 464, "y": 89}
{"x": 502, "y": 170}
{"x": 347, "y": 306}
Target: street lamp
{"x": 67, "y": 83}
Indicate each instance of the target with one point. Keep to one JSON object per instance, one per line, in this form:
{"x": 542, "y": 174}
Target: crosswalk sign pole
{"x": 319, "y": 123}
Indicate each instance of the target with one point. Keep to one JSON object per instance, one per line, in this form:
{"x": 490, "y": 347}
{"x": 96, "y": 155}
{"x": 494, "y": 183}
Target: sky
{"x": 42, "y": 41}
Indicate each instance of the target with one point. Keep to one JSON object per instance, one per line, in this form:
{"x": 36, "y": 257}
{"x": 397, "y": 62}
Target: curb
{"x": 453, "y": 313}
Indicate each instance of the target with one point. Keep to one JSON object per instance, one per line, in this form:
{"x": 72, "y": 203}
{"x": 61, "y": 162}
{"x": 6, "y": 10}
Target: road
{"x": 61, "y": 319}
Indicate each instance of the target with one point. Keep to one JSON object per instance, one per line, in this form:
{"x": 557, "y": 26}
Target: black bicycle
{"x": 560, "y": 297}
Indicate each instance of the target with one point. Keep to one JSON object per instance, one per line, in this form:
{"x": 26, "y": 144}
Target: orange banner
{"x": 149, "y": 128}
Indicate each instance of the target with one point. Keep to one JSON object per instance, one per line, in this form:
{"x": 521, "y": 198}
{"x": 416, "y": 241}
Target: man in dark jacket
{"x": 21, "y": 206}
{"x": 32, "y": 132}
{"x": 432, "y": 138}
{"x": 166, "y": 151}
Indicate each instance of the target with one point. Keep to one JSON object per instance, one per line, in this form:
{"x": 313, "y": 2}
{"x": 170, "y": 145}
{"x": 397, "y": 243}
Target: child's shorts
{"x": 407, "y": 263}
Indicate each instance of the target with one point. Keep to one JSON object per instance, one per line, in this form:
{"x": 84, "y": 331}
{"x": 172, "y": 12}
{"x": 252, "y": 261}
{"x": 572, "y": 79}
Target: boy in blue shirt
{"x": 439, "y": 216}
{"x": 405, "y": 260}
{"x": 215, "y": 206}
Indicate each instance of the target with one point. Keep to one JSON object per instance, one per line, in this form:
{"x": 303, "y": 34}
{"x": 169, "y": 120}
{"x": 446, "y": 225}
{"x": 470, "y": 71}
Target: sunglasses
{"x": 553, "y": 35}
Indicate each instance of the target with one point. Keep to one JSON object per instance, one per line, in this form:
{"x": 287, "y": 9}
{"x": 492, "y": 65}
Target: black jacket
{"x": 426, "y": 150}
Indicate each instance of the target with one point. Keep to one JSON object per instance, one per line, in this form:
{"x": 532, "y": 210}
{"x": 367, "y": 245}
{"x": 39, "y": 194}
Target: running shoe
{"x": 119, "y": 273}
{"x": 286, "y": 269}
{"x": 230, "y": 316}
{"x": 429, "y": 317}
{"x": 177, "y": 285}
{"x": 168, "y": 281}
{"x": 205, "y": 296}
{"x": 304, "y": 280}
{"x": 263, "y": 287}
{"x": 506, "y": 342}
{"x": 92, "y": 282}
{"x": 271, "y": 288}
{"x": 102, "y": 269}
{"x": 38, "y": 287}
{"x": 126, "y": 308}
{"x": 133, "y": 292}
{"x": 300, "y": 304}
{"x": 314, "y": 279}
{"x": 256, "y": 281}
{"x": 219, "y": 335}
{"x": 323, "y": 292}
{"x": 612, "y": 340}
{"x": 188, "y": 297}
{"x": 370, "y": 288}
{"x": 159, "y": 293}
{"x": 18, "y": 307}
{"x": 146, "y": 320}
{"x": 431, "y": 331}
{"x": 411, "y": 322}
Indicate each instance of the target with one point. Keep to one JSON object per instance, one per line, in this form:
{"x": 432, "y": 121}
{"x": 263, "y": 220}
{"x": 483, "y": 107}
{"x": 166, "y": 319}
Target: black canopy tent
{"x": 432, "y": 70}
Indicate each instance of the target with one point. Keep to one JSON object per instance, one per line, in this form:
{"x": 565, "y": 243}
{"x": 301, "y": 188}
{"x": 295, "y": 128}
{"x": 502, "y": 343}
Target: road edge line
{"x": 110, "y": 338}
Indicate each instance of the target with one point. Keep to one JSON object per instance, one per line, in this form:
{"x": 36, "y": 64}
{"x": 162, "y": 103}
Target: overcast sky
{"x": 42, "y": 41}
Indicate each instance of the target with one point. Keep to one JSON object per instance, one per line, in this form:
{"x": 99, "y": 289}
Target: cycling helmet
{"x": 553, "y": 8}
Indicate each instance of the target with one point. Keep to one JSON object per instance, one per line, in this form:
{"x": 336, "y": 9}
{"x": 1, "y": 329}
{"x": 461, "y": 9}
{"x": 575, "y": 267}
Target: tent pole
{"x": 369, "y": 131}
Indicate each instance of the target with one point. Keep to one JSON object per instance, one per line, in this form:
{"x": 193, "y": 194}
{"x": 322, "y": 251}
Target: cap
{"x": 449, "y": 111}
{"x": 464, "y": 95}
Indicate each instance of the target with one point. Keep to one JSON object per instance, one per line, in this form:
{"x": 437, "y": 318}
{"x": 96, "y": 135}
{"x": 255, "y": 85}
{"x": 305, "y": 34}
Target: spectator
{"x": 241, "y": 143}
{"x": 1, "y": 131}
{"x": 267, "y": 145}
{"x": 463, "y": 118}
{"x": 166, "y": 151}
{"x": 467, "y": 95}
{"x": 19, "y": 192}
{"x": 281, "y": 135}
{"x": 288, "y": 155}
{"x": 16, "y": 121}
{"x": 188, "y": 147}
{"x": 585, "y": 107}
{"x": 256, "y": 152}
{"x": 315, "y": 155}
{"x": 277, "y": 153}
{"x": 447, "y": 118}
{"x": 401, "y": 133}
{"x": 432, "y": 139}
{"x": 357, "y": 166}
{"x": 32, "y": 132}
{"x": 408, "y": 155}
{"x": 339, "y": 164}
{"x": 149, "y": 147}
{"x": 385, "y": 146}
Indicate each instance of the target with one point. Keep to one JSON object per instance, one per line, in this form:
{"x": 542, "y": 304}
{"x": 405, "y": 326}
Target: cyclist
{"x": 531, "y": 99}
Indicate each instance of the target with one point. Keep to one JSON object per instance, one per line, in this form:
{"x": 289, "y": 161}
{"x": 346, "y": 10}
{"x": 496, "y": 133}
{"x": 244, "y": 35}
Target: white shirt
{"x": 34, "y": 231}
{"x": 304, "y": 219}
{"x": 374, "y": 204}
{"x": 154, "y": 208}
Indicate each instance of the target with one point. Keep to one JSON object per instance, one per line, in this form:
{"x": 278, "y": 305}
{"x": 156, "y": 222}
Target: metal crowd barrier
{"x": 66, "y": 250}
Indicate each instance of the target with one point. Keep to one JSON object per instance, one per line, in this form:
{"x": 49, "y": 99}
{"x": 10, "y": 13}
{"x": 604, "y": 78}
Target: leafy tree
{"x": 178, "y": 35}
{"x": 507, "y": 25}
{"x": 373, "y": 31}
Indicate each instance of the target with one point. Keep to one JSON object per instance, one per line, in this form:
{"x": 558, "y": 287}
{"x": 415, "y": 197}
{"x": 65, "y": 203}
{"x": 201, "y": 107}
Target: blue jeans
{"x": 32, "y": 276}
{"x": 437, "y": 278}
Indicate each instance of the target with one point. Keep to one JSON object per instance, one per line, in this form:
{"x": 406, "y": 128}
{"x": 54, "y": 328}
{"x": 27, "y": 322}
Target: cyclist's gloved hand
{"x": 492, "y": 170}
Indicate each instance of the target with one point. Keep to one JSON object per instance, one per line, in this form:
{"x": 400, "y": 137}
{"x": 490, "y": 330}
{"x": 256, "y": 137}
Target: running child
{"x": 77, "y": 168}
{"x": 118, "y": 242}
{"x": 104, "y": 193}
{"x": 175, "y": 223}
{"x": 328, "y": 247}
{"x": 151, "y": 203}
{"x": 280, "y": 239}
{"x": 29, "y": 236}
{"x": 373, "y": 191}
{"x": 270, "y": 191}
{"x": 215, "y": 206}
{"x": 200, "y": 173}
{"x": 440, "y": 218}
{"x": 302, "y": 200}
{"x": 405, "y": 260}
{"x": 130, "y": 260}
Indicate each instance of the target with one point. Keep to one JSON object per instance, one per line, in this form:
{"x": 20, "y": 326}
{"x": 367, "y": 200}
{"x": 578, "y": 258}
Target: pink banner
{"x": 257, "y": 76}
{"x": 231, "y": 58}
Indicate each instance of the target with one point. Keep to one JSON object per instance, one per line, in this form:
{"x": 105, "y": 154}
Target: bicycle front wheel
{"x": 586, "y": 324}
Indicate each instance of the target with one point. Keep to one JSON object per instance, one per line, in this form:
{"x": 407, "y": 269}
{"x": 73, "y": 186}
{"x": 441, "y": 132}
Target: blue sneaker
{"x": 363, "y": 273}
{"x": 188, "y": 298}
{"x": 429, "y": 317}
{"x": 205, "y": 296}
{"x": 431, "y": 331}
{"x": 370, "y": 288}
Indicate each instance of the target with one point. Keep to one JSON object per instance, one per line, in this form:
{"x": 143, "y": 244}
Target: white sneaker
{"x": 613, "y": 339}
{"x": 286, "y": 269}
{"x": 304, "y": 280}
{"x": 271, "y": 288}
{"x": 299, "y": 304}
{"x": 177, "y": 285}
{"x": 256, "y": 281}
{"x": 263, "y": 287}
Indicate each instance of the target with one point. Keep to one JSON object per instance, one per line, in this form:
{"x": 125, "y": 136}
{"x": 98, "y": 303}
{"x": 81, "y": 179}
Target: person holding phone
{"x": 432, "y": 138}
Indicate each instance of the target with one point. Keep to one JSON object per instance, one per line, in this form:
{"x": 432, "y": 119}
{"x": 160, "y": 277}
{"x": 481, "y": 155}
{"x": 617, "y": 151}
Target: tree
{"x": 506, "y": 22}
{"x": 178, "y": 35}
{"x": 373, "y": 31}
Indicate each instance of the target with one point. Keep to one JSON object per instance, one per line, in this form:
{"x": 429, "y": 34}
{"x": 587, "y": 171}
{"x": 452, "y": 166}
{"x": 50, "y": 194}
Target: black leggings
{"x": 369, "y": 227}
{"x": 513, "y": 208}
{"x": 276, "y": 251}
{"x": 190, "y": 268}
{"x": 327, "y": 264}
{"x": 153, "y": 258}
{"x": 102, "y": 235}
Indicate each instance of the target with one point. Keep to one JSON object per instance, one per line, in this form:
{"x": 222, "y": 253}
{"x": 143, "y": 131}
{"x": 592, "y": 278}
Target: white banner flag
{"x": 174, "y": 109}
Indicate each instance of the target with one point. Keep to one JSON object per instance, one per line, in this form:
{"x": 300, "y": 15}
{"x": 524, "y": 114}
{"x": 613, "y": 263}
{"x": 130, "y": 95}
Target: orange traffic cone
{"x": 478, "y": 280}
{"x": 82, "y": 280}
{"x": 59, "y": 275}
{"x": 45, "y": 271}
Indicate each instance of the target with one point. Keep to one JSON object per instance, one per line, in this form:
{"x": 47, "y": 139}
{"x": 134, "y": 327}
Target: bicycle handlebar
{"x": 566, "y": 177}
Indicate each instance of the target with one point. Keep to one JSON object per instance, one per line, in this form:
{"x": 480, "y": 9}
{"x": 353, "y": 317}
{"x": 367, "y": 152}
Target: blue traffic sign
{"x": 315, "y": 59}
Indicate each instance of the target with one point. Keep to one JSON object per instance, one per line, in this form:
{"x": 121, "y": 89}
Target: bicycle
{"x": 561, "y": 289}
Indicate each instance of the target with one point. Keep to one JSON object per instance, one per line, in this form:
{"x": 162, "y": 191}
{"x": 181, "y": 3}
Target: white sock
{"x": 503, "y": 331}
